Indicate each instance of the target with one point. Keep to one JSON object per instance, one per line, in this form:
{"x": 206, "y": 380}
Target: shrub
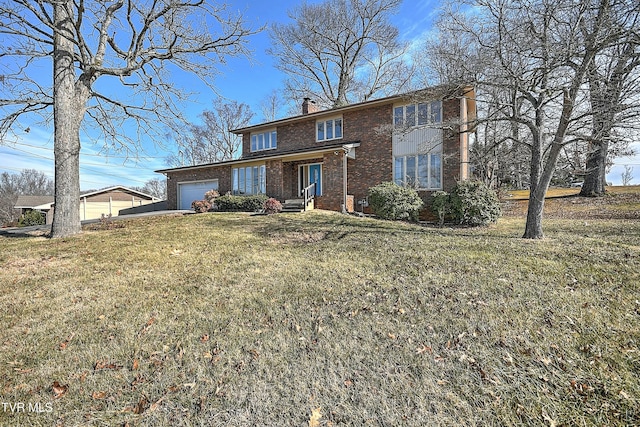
{"x": 31, "y": 218}
{"x": 391, "y": 201}
{"x": 440, "y": 206}
{"x": 200, "y": 206}
{"x": 211, "y": 196}
{"x": 231, "y": 203}
{"x": 473, "y": 203}
{"x": 272, "y": 206}
{"x": 106, "y": 222}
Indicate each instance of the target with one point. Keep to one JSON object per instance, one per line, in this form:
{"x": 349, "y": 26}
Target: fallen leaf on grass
{"x": 101, "y": 364}
{"x": 141, "y": 406}
{"x": 424, "y": 349}
{"x": 155, "y": 406}
{"x": 63, "y": 345}
{"x": 314, "y": 419}
{"x": 59, "y": 390}
{"x": 99, "y": 394}
{"x": 135, "y": 365}
{"x": 147, "y": 325}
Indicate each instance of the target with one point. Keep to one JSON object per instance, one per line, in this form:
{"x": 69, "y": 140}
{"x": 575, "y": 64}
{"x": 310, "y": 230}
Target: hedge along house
{"x": 419, "y": 139}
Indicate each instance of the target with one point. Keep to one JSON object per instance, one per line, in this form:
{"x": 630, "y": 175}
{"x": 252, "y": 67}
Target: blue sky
{"x": 241, "y": 80}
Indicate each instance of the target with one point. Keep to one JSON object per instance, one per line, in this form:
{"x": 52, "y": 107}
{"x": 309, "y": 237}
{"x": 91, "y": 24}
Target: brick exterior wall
{"x": 275, "y": 181}
{"x": 332, "y": 192}
{"x": 451, "y": 144}
{"x": 374, "y": 162}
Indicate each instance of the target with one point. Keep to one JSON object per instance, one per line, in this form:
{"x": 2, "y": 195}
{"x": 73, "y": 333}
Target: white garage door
{"x": 190, "y": 191}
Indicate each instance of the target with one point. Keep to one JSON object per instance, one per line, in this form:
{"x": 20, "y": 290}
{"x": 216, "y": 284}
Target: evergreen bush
{"x": 391, "y": 201}
{"x": 231, "y": 203}
{"x": 30, "y": 218}
{"x": 473, "y": 203}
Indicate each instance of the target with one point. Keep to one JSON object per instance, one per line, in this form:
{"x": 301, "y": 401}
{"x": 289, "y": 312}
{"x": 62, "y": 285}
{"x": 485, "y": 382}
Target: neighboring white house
{"x": 108, "y": 201}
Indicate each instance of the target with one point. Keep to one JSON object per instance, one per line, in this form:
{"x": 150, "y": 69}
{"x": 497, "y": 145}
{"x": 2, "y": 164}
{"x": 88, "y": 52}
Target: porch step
{"x": 295, "y": 205}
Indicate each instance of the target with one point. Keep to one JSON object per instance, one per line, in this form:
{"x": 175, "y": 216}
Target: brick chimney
{"x": 309, "y": 106}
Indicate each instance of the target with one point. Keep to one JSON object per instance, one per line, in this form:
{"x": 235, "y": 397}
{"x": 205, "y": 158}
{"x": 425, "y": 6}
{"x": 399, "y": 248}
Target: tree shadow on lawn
{"x": 26, "y": 232}
{"x": 314, "y": 227}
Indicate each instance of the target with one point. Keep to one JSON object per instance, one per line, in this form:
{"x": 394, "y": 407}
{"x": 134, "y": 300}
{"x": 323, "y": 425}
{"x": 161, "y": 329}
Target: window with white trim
{"x": 329, "y": 129}
{"x": 264, "y": 140}
{"x": 249, "y": 180}
{"x": 419, "y": 114}
{"x": 420, "y": 171}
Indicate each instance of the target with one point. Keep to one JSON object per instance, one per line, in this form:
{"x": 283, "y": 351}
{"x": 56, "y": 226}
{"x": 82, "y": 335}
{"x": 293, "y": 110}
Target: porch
{"x": 317, "y": 178}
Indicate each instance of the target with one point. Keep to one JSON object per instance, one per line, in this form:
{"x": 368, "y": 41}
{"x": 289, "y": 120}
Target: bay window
{"x": 421, "y": 171}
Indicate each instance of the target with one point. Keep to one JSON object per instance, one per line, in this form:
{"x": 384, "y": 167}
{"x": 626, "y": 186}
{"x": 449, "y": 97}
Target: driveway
{"x": 39, "y": 230}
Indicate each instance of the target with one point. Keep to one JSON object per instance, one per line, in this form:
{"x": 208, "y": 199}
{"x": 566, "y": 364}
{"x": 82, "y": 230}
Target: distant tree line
{"x": 28, "y": 182}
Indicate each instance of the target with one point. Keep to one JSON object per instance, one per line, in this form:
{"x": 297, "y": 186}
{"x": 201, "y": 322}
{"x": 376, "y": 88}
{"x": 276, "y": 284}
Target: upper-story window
{"x": 264, "y": 141}
{"x": 329, "y": 129}
{"x": 418, "y": 114}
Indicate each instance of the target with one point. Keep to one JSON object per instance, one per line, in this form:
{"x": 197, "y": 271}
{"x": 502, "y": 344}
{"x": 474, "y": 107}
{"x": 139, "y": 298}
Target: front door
{"x": 311, "y": 174}
{"x": 315, "y": 177}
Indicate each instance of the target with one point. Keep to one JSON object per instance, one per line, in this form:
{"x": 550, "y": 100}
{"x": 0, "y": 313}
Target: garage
{"x": 190, "y": 191}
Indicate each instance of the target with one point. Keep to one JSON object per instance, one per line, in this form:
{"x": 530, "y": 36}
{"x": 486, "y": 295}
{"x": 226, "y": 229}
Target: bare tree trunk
{"x": 595, "y": 179}
{"x": 537, "y": 191}
{"x": 606, "y": 93}
{"x": 539, "y": 187}
{"x": 543, "y": 166}
{"x": 533, "y": 226}
{"x": 67, "y": 115}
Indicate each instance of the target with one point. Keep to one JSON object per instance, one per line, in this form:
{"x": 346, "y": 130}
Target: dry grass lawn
{"x": 321, "y": 319}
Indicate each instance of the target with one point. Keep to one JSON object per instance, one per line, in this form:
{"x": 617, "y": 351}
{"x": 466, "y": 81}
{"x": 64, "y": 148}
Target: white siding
{"x": 423, "y": 140}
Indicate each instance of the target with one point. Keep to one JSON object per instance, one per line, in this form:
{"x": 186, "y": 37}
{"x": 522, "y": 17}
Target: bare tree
{"x": 212, "y": 141}
{"x": 532, "y": 59}
{"x": 614, "y": 83}
{"x": 126, "y": 44}
{"x": 28, "y": 182}
{"x": 271, "y": 105}
{"x": 156, "y": 187}
{"x": 341, "y": 51}
{"x": 627, "y": 175}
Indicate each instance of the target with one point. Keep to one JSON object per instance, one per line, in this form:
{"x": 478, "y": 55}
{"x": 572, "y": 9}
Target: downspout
{"x": 464, "y": 126}
{"x": 344, "y": 180}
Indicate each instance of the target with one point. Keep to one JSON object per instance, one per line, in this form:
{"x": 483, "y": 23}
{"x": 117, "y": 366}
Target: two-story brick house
{"x": 420, "y": 139}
